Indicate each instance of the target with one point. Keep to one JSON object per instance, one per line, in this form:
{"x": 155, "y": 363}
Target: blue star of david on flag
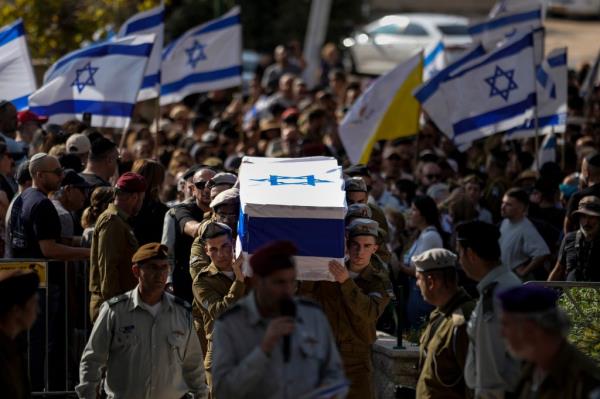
{"x": 503, "y": 90}
{"x": 195, "y": 53}
{"x": 309, "y": 180}
{"x": 80, "y": 82}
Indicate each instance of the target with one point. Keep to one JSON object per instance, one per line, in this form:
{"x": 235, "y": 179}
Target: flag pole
{"x": 535, "y": 117}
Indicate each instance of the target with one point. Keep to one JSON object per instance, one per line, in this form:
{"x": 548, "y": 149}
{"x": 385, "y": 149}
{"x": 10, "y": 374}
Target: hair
{"x": 519, "y": 194}
{"x": 486, "y": 248}
{"x": 154, "y": 174}
{"x": 101, "y": 197}
{"x": 73, "y": 126}
{"x": 429, "y": 210}
{"x": 461, "y": 208}
{"x": 472, "y": 179}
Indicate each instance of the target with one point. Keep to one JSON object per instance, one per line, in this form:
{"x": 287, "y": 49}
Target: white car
{"x": 575, "y": 8}
{"x": 382, "y": 44}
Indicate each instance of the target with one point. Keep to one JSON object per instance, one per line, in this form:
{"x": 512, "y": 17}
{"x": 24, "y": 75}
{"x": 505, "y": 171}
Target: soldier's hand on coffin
{"x": 339, "y": 271}
{"x": 237, "y": 268}
{"x": 278, "y": 327}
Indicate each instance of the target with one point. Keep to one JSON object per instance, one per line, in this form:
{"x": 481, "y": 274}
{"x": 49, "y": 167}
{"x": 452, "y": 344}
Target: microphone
{"x": 288, "y": 309}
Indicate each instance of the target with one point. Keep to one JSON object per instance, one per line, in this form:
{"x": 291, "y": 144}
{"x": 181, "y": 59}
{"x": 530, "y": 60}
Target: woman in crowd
{"x": 148, "y": 223}
{"x": 101, "y": 197}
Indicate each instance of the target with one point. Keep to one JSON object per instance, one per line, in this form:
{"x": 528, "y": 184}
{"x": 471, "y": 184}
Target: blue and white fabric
{"x": 207, "y": 57}
{"x": 103, "y": 80}
{"x": 434, "y": 60}
{"x": 17, "y": 80}
{"x": 506, "y": 25}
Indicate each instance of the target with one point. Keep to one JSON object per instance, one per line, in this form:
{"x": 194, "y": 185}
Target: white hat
{"x": 78, "y": 144}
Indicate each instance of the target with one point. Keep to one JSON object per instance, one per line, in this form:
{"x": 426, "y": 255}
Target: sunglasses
{"x": 201, "y": 184}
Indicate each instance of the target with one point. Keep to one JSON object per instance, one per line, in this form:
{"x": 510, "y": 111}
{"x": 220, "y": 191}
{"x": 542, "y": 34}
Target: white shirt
{"x": 145, "y": 357}
{"x": 520, "y": 242}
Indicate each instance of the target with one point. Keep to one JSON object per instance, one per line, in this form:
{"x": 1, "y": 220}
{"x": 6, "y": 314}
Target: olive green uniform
{"x": 443, "y": 350}
{"x": 352, "y": 309}
{"x": 214, "y": 292}
{"x": 573, "y": 376}
{"x": 113, "y": 245}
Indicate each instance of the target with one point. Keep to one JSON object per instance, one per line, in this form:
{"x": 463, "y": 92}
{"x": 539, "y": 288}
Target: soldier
{"x": 444, "y": 342}
{"x": 489, "y": 370}
{"x": 144, "y": 339}
{"x": 271, "y": 345}
{"x": 535, "y": 331}
{"x": 219, "y": 285}
{"x": 114, "y": 243}
{"x": 18, "y": 311}
{"x": 354, "y": 303}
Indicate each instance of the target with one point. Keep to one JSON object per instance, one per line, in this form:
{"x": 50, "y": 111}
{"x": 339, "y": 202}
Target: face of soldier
{"x": 220, "y": 251}
{"x": 426, "y": 286}
{"x": 518, "y": 334}
{"x": 360, "y": 250}
{"x": 228, "y": 214}
{"x": 152, "y": 275}
{"x": 465, "y": 257}
{"x": 275, "y": 287}
{"x": 356, "y": 197}
{"x": 589, "y": 225}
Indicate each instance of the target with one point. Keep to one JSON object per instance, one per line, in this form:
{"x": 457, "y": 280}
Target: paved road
{"x": 582, "y": 37}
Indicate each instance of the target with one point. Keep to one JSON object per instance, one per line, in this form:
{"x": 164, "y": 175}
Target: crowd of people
{"x": 149, "y": 218}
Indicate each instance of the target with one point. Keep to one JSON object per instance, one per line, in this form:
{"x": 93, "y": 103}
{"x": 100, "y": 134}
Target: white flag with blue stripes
{"x": 547, "y": 151}
{"x": 434, "y": 60}
{"x": 506, "y": 25}
{"x": 552, "y": 85}
{"x": 17, "y": 80}
{"x": 207, "y": 57}
{"x": 151, "y": 21}
{"x": 103, "y": 80}
{"x": 504, "y": 7}
{"x": 489, "y": 94}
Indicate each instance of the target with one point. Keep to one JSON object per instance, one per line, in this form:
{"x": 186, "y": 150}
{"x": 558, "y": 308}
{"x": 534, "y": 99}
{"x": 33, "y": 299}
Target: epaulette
{"x": 119, "y": 298}
{"x": 458, "y": 317}
{"x": 308, "y": 302}
{"x": 182, "y": 302}
{"x": 232, "y": 310}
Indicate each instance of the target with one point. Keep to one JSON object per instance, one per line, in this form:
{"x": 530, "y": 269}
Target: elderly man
{"x": 444, "y": 342}
{"x": 535, "y": 330}
{"x": 489, "y": 369}
{"x": 144, "y": 339}
{"x": 579, "y": 255}
{"x": 271, "y": 345}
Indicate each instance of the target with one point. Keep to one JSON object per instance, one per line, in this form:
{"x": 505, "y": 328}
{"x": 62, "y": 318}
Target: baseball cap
{"x": 29, "y": 116}
{"x": 78, "y": 144}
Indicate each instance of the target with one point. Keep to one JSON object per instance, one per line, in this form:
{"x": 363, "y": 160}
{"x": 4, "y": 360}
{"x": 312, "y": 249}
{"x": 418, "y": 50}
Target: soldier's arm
{"x": 192, "y": 367}
{"x": 211, "y": 301}
{"x": 198, "y": 258}
{"x": 109, "y": 257}
{"x": 365, "y": 305}
{"x": 234, "y": 377}
{"x": 95, "y": 355}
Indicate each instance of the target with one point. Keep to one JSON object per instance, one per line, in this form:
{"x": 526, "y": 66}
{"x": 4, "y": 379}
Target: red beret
{"x": 131, "y": 183}
{"x": 276, "y": 255}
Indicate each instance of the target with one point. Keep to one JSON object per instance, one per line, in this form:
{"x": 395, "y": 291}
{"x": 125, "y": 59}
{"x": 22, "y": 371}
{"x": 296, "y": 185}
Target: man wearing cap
{"x": 220, "y": 182}
{"x": 270, "y": 344}
{"x": 535, "y": 330}
{"x": 144, "y": 339}
{"x": 69, "y": 198}
{"x": 489, "y": 370}
{"x": 219, "y": 285}
{"x": 353, "y": 303}
{"x": 114, "y": 243}
{"x": 579, "y": 255}
{"x": 80, "y": 145}
{"x": 18, "y": 312}
{"x": 444, "y": 342}
{"x": 29, "y": 123}
{"x": 102, "y": 163}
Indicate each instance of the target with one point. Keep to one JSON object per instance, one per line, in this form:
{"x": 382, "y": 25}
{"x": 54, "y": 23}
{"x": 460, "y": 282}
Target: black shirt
{"x": 33, "y": 218}
{"x": 148, "y": 223}
{"x": 581, "y": 258}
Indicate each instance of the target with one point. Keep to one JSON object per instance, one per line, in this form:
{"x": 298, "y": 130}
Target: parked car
{"x": 381, "y": 45}
{"x": 574, "y": 8}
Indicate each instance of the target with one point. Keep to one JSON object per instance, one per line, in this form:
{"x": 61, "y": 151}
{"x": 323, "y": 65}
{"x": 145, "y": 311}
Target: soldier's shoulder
{"x": 117, "y": 299}
{"x": 233, "y": 311}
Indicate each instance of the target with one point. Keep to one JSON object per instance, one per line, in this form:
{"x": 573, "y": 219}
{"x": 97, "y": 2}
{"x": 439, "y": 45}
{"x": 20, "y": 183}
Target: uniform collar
{"x": 212, "y": 269}
{"x": 115, "y": 210}
{"x": 365, "y": 273}
{"x": 492, "y": 276}
{"x": 136, "y": 300}
{"x": 457, "y": 299}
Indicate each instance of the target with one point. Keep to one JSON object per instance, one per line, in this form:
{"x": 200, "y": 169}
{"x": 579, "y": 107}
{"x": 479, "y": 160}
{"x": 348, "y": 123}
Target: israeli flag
{"x": 551, "y": 81}
{"x": 208, "y": 57}
{"x": 102, "y": 80}
{"x": 433, "y": 60}
{"x": 17, "y": 80}
{"x": 505, "y": 7}
{"x": 547, "y": 151}
{"x": 297, "y": 199}
{"x": 487, "y": 95}
{"x": 151, "y": 21}
{"x": 506, "y": 25}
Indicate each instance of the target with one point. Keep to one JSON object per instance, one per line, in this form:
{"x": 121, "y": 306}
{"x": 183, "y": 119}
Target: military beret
{"x": 363, "y": 227}
{"x": 16, "y": 287}
{"x": 229, "y": 196}
{"x": 434, "y": 259}
{"x": 131, "y": 183}
{"x": 214, "y": 229}
{"x": 274, "y": 256}
{"x": 357, "y": 170}
{"x": 223, "y": 178}
{"x": 354, "y": 184}
{"x": 528, "y": 299}
{"x": 152, "y": 250}
{"x": 359, "y": 211}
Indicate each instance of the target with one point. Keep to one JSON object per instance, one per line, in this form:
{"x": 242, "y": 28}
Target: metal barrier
{"x": 67, "y": 282}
